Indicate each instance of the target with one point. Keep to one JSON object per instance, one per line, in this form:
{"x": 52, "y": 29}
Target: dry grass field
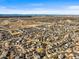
{"x": 39, "y": 37}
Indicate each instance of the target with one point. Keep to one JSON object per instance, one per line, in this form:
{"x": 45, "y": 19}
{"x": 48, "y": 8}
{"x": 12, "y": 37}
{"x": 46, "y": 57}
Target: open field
{"x": 39, "y": 37}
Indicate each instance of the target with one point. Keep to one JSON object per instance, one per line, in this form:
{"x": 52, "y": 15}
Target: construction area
{"x": 39, "y": 37}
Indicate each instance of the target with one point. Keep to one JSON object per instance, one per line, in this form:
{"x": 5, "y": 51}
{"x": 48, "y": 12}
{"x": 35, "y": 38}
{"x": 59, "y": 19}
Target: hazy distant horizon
{"x": 36, "y": 15}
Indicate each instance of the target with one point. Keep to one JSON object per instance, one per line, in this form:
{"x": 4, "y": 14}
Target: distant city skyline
{"x": 66, "y": 7}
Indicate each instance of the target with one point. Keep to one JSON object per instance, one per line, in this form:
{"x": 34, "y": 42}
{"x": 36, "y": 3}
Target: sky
{"x": 66, "y": 7}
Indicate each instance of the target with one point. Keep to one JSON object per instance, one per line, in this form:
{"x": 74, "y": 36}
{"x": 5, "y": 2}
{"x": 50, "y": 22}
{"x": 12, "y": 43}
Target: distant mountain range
{"x": 23, "y": 14}
{"x": 29, "y": 15}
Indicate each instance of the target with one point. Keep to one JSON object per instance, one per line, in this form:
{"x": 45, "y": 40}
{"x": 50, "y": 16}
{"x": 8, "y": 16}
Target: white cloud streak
{"x": 70, "y": 10}
{"x": 74, "y": 7}
{"x": 36, "y": 4}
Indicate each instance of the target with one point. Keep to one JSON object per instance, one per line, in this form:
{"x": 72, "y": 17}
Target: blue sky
{"x": 39, "y": 7}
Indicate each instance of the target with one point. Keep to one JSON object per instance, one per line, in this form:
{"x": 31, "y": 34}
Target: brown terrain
{"x": 39, "y": 37}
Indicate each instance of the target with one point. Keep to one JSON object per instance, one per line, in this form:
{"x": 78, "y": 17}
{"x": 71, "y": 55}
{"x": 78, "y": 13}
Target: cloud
{"x": 2, "y": 7}
{"x": 36, "y": 4}
{"x": 66, "y": 11}
{"x": 74, "y": 7}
